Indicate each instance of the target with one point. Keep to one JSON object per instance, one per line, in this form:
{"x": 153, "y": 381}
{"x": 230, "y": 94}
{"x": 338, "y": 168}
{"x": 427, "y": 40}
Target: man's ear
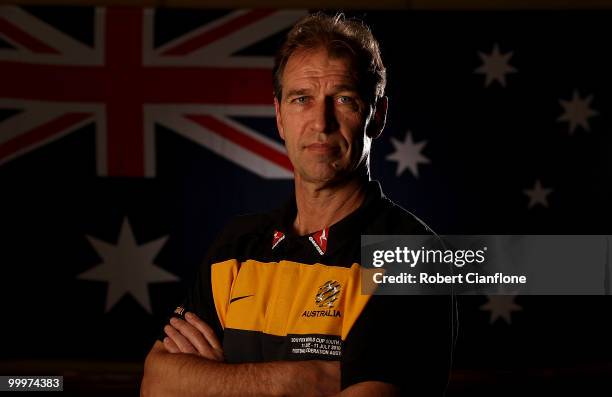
{"x": 279, "y": 122}
{"x": 377, "y": 124}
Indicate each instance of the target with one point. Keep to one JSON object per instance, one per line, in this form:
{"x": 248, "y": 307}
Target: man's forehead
{"x": 319, "y": 63}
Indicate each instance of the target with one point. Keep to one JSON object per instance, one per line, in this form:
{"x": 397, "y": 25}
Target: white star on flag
{"x": 538, "y": 195}
{"x": 127, "y": 267}
{"x": 501, "y": 306}
{"x": 577, "y": 111}
{"x": 495, "y": 66}
{"x": 408, "y": 155}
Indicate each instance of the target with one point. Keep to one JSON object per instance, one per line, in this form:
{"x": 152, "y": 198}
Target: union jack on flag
{"x": 198, "y": 82}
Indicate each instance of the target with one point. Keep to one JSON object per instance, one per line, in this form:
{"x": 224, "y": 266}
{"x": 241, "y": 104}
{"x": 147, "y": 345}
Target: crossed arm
{"x": 190, "y": 362}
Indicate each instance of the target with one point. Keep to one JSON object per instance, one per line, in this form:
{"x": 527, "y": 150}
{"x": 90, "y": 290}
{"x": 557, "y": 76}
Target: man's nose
{"x": 325, "y": 116}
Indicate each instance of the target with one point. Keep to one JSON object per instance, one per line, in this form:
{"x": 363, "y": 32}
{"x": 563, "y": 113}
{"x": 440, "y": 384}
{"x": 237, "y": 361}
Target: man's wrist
{"x": 277, "y": 378}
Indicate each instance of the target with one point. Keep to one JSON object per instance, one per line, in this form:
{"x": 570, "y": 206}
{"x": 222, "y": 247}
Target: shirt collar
{"x": 342, "y": 230}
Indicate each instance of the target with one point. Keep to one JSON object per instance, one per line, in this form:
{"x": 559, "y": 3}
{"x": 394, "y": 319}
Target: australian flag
{"x": 129, "y": 136}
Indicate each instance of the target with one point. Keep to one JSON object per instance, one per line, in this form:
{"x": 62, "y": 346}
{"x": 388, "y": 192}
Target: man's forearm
{"x": 189, "y": 375}
{"x": 168, "y": 374}
{"x": 370, "y": 388}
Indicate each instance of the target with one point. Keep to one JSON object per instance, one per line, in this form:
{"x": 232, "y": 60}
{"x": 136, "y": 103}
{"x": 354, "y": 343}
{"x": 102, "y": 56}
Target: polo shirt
{"x": 270, "y": 294}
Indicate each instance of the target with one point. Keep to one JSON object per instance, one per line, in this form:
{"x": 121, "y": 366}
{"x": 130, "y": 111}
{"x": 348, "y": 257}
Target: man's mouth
{"x": 321, "y": 147}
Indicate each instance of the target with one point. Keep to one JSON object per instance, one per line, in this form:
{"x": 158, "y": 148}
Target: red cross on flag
{"x": 127, "y": 85}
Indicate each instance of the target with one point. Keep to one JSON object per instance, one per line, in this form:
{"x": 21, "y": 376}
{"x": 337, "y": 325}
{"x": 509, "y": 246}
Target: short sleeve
{"x": 403, "y": 340}
{"x": 198, "y": 297}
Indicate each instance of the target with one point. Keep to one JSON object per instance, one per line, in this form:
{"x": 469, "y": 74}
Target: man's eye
{"x": 345, "y": 99}
{"x": 300, "y": 100}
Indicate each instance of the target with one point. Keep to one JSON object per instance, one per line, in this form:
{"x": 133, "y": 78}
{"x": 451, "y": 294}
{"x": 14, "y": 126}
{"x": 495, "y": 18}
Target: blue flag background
{"x": 498, "y": 123}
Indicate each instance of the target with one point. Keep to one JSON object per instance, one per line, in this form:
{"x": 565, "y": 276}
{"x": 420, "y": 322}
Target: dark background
{"x": 486, "y": 145}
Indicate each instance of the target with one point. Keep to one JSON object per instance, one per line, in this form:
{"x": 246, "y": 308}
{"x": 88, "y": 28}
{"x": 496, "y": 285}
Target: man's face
{"x": 321, "y": 117}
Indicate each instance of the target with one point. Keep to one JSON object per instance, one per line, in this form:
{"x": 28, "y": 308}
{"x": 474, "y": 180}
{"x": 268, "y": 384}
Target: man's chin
{"x": 328, "y": 177}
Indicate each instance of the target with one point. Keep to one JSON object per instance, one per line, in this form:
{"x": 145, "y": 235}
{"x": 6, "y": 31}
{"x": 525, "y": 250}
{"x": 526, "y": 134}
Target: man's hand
{"x": 193, "y": 336}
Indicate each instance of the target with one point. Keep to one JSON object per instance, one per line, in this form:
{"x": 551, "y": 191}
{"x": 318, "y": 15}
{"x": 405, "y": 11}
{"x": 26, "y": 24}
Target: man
{"x": 277, "y": 307}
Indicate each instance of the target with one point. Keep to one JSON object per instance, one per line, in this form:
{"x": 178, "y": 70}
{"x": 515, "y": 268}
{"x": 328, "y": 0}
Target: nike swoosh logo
{"x": 239, "y": 297}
